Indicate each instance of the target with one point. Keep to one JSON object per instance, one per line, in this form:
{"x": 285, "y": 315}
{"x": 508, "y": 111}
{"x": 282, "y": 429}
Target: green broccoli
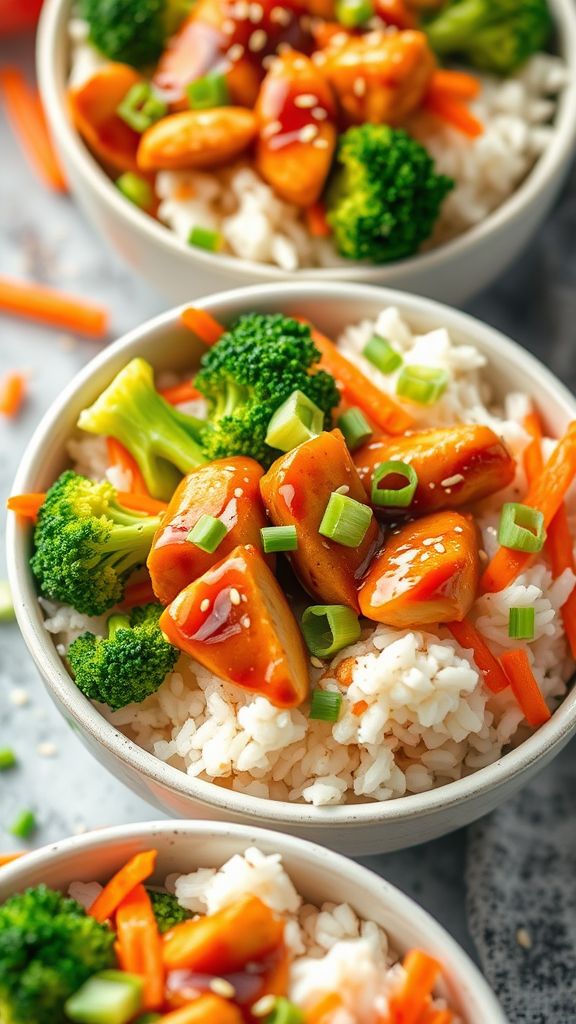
{"x": 385, "y": 197}
{"x": 132, "y": 31}
{"x": 493, "y": 35}
{"x": 129, "y": 664}
{"x": 86, "y": 544}
{"x": 167, "y": 910}
{"x": 49, "y": 947}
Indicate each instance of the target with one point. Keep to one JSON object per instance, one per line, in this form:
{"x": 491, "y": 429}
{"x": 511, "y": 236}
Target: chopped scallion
{"x": 204, "y": 238}
{"x": 141, "y": 107}
{"x": 380, "y": 353}
{"x": 422, "y": 384}
{"x": 7, "y": 613}
{"x": 328, "y": 628}
{"x": 279, "y": 538}
{"x": 325, "y": 705}
{"x": 521, "y": 623}
{"x": 352, "y": 13}
{"x": 109, "y": 997}
{"x": 208, "y": 533}
{"x": 209, "y": 91}
{"x": 284, "y": 1012}
{"x": 394, "y": 497}
{"x": 355, "y": 428}
{"x": 7, "y": 759}
{"x": 345, "y": 520}
{"x": 297, "y": 420}
{"x": 24, "y": 825}
{"x": 136, "y": 189}
{"x": 521, "y": 528}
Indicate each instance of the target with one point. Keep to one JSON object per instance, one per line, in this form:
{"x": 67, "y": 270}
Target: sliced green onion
{"x": 394, "y": 497}
{"x": 141, "y": 107}
{"x": 355, "y": 428}
{"x": 24, "y": 825}
{"x": 328, "y": 628}
{"x": 203, "y": 238}
{"x": 209, "y": 91}
{"x": 136, "y": 189}
{"x": 521, "y": 623}
{"x": 325, "y": 705}
{"x": 7, "y": 613}
{"x": 352, "y": 13}
{"x": 297, "y": 420}
{"x": 7, "y": 759}
{"x": 422, "y": 384}
{"x": 284, "y": 1012}
{"x": 279, "y": 538}
{"x": 109, "y": 997}
{"x": 208, "y": 533}
{"x": 380, "y": 353}
{"x": 521, "y": 528}
{"x": 345, "y": 520}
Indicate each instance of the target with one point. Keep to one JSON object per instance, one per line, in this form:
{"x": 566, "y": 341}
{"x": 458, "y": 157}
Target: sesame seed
{"x": 268, "y": 61}
{"x": 235, "y": 52}
{"x": 432, "y": 485}
{"x": 47, "y": 749}
{"x": 19, "y": 697}
{"x": 340, "y": 39}
{"x": 451, "y": 480}
{"x": 428, "y": 541}
{"x": 308, "y": 133}
{"x": 305, "y": 100}
{"x": 440, "y": 549}
{"x": 222, "y": 987}
{"x": 240, "y": 10}
{"x": 319, "y": 57}
{"x": 458, "y": 529}
{"x": 271, "y": 129}
{"x": 424, "y": 557}
{"x": 246, "y": 622}
{"x": 483, "y": 556}
{"x": 256, "y": 13}
{"x": 320, "y": 143}
{"x": 523, "y": 938}
{"x": 238, "y": 492}
{"x": 316, "y": 661}
{"x": 257, "y": 40}
{"x": 228, "y": 26}
{"x": 204, "y": 604}
{"x": 319, "y": 114}
{"x": 281, "y": 15}
{"x": 235, "y": 596}
{"x": 359, "y": 87}
{"x": 299, "y": 64}
{"x": 264, "y": 1006}
{"x": 343, "y": 489}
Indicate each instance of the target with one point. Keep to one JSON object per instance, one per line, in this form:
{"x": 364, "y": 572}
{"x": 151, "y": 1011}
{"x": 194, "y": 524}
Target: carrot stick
{"x": 454, "y": 112}
{"x": 358, "y": 390}
{"x": 137, "y": 594}
{"x": 433, "y": 1016}
{"x": 546, "y": 493}
{"x": 141, "y": 503}
{"x": 29, "y": 126}
{"x": 12, "y": 393}
{"x": 413, "y": 994}
{"x": 180, "y": 393}
{"x": 8, "y": 858}
{"x": 207, "y": 1009}
{"x": 318, "y": 225}
{"x": 204, "y": 325}
{"x": 533, "y": 461}
{"x": 459, "y": 84}
{"x": 140, "y": 946}
{"x": 49, "y": 306}
{"x": 120, "y": 457}
{"x": 525, "y": 688}
{"x": 26, "y": 505}
{"x": 135, "y": 871}
{"x": 326, "y": 1010}
{"x": 466, "y": 634}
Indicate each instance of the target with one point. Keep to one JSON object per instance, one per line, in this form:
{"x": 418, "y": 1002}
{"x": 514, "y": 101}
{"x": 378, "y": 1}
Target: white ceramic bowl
{"x": 451, "y": 273}
{"x": 318, "y": 875}
{"x": 353, "y": 828}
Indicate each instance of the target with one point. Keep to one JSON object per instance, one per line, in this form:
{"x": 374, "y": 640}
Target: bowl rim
{"x": 540, "y": 746}
{"x": 557, "y": 155}
{"x": 382, "y": 891}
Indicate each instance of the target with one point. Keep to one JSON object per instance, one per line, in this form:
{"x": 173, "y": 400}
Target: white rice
{"x": 428, "y": 719}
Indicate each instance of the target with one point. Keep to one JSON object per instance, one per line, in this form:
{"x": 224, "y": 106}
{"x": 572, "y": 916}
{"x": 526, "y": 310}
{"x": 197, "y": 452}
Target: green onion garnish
{"x": 284, "y": 1012}
{"x": 208, "y": 533}
{"x": 380, "y": 353}
{"x": 24, "y": 825}
{"x": 209, "y": 91}
{"x": 295, "y": 421}
{"x": 345, "y": 520}
{"x": 203, "y": 238}
{"x": 521, "y": 623}
{"x": 141, "y": 107}
{"x": 352, "y": 13}
{"x": 521, "y": 528}
{"x": 325, "y": 705}
{"x": 279, "y": 538}
{"x": 111, "y": 996}
{"x": 394, "y": 497}
{"x": 355, "y": 428}
{"x": 136, "y": 189}
{"x": 7, "y": 759}
{"x": 6, "y": 604}
{"x": 328, "y": 628}
{"x": 422, "y": 384}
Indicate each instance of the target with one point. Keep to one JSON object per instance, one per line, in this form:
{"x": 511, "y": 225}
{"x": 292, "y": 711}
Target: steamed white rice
{"x": 429, "y": 719}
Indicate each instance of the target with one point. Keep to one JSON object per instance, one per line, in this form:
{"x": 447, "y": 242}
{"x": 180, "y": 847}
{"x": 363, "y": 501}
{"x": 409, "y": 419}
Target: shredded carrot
{"x": 26, "y": 505}
{"x": 358, "y": 390}
{"x": 137, "y": 594}
{"x": 29, "y": 126}
{"x": 533, "y": 461}
{"x": 37, "y": 302}
{"x": 8, "y": 858}
{"x": 466, "y": 634}
{"x": 547, "y": 494}
{"x": 318, "y": 225}
{"x": 454, "y": 112}
{"x": 413, "y": 994}
{"x": 140, "y": 945}
{"x": 525, "y": 688}
{"x": 12, "y": 393}
{"x": 141, "y": 503}
{"x": 359, "y": 708}
{"x": 203, "y": 324}
{"x": 459, "y": 84}
{"x": 120, "y": 457}
{"x": 326, "y": 1011}
{"x": 135, "y": 871}
{"x": 180, "y": 393}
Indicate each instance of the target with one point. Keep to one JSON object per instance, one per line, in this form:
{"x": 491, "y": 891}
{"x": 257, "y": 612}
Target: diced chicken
{"x": 196, "y": 138}
{"x": 94, "y": 104}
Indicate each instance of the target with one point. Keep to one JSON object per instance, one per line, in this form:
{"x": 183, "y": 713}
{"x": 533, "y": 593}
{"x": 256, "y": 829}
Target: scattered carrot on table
{"x": 12, "y": 393}
{"x": 50, "y": 306}
{"x": 29, "y": 125}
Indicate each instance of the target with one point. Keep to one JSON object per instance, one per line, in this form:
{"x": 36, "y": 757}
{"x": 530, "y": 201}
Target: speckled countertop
{"x": 45, "y": 237}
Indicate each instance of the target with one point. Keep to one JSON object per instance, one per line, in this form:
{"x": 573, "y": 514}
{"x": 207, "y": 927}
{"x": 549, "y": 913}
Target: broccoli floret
{"x": 132, "y": 31}
{"x": 167, "y": 910}
{"x": 385, "y": 197}
{"x": 249, "y": 373}
{"x": 129, "y": 664}
{"x": 493, "y": 35}
{"x": 49, "y": 947}
{"x": 86, "y": 544}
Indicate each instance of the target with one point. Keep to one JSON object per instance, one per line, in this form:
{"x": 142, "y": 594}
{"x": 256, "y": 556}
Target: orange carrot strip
{"x": 533, "y": 461}
{"x": 525, "y": 688}
{"x": 137, "y": 594}
{"x": 140, "y": 945}
{"x": 119, "y": 456}
{"x": 466, "y": 634}
{"x": 359, "y": 708}
{"x": 180, "y": 393}
{"x": 546, "y": 493}
{"x": 326, "y": 1011}
{"x": 26, "y": 505}
{"x": 433, "y": 1016}
{"x": 456, "y": 83}
{"x": 318, "y": 225}
{"x": 135, "y": 871}
{"x": 207, "y": 1009}
{"x": 12, "y": 393}
{"x": 29, "y": 126}
{"x": 413, "y": 994}
{"x": 453, "y": 112}
{"x": 204, "y": 325}
{"x": 8, "y": 858}
{"x": 358, "y": 390}
{"x": 37, "y": 302}
{"x": 141, "y": 503}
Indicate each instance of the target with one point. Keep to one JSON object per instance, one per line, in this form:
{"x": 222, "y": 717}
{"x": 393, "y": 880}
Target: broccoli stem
{"x": 127, "y": 546}
{"x": 116, "y": 622}
{"x": 453, "y": 25}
